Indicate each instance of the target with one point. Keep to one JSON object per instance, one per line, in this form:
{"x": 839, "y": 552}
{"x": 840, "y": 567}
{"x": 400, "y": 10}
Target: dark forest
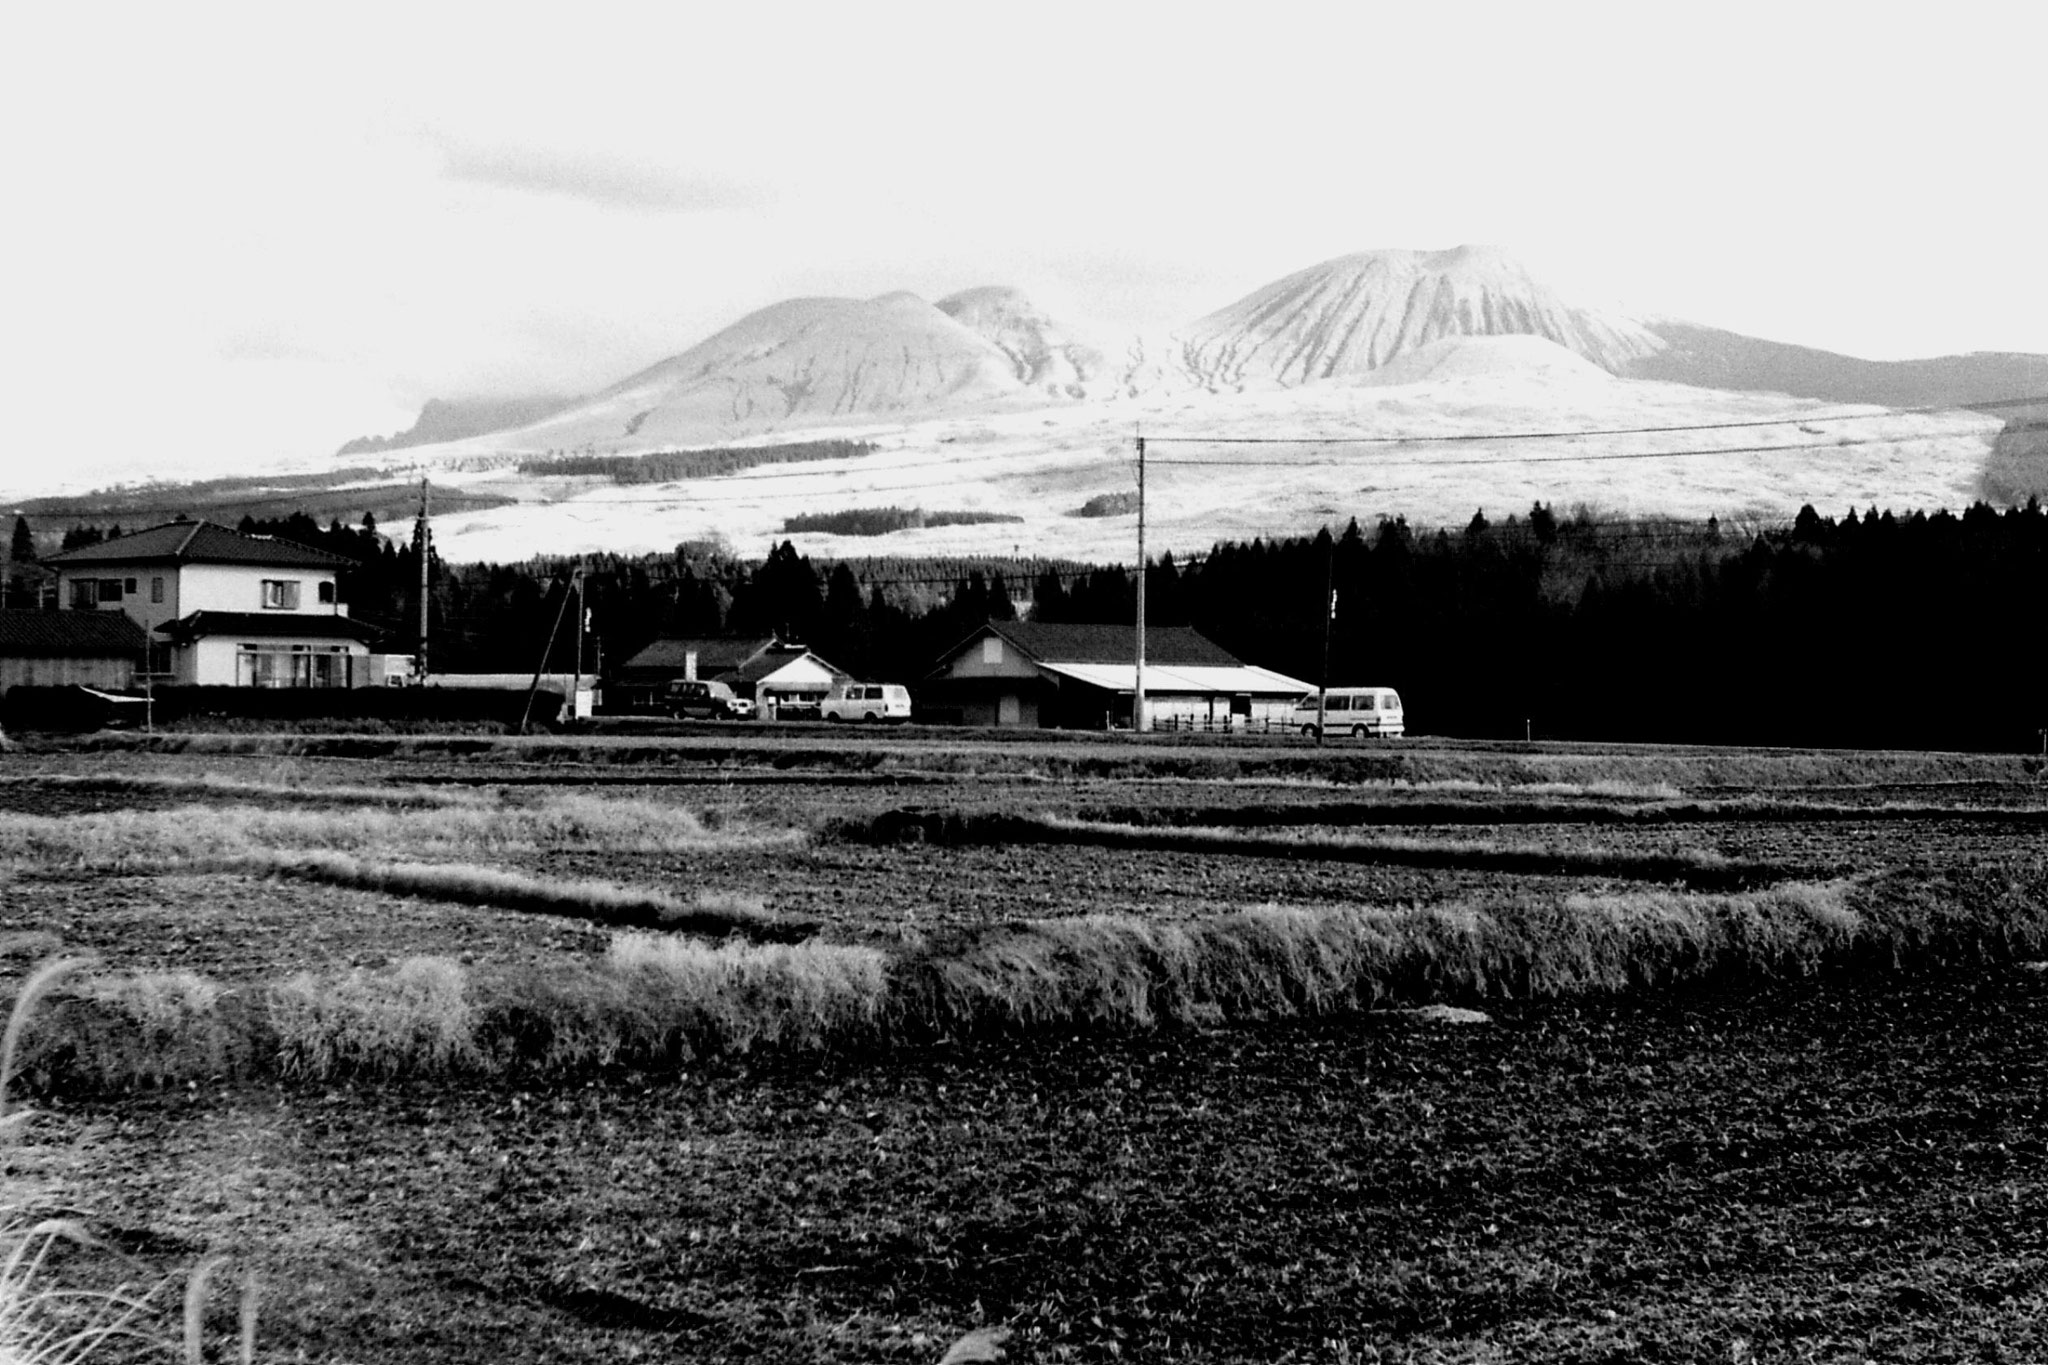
{"x": 1868, "y": 630}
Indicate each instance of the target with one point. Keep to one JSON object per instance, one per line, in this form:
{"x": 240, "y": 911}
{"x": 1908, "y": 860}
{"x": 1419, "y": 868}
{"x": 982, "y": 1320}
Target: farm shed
{"x": 771, "y": 671}
{"x": 61, "y": 648}
{"x": 1084, "y": 677}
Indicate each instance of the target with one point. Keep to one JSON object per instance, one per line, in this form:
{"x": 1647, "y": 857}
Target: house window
{"x": 129, "y": 587}
{"x": 85, "y": 594}
{"x": 291, "y": 666}
{"x": 156, "y": 589}
{"x": 110, "y": 590}
{"x": 326, "y": 591}
{"x": 281, "y": 594}
{"x": 991, "y": 650}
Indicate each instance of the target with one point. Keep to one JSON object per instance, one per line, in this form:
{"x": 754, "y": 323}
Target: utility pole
{"x": 1329, "y": 610}
{"x": 582, "y": 612}
{"x": 420, "y": 547}
{"x": 1138, "y": 721}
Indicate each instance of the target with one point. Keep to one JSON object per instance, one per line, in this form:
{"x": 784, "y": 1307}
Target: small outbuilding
{"x": 775, "y": 674}
{"x": 1023, "y": 673}
{"x": 63, "y": 648}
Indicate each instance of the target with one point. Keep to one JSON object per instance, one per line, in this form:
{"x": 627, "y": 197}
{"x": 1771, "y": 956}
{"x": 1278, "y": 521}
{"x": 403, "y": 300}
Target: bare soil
{"x": 1838, "y": 1169}
{"x": 1817, "y": 1171}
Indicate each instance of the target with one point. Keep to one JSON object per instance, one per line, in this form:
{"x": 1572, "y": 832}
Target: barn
{"x": 66, "y": 648}
{"x": 1027, "y": 673}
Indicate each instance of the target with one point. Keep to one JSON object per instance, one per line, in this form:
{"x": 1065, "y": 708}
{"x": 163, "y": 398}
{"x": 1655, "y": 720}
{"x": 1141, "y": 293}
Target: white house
{"x": 222, "y": 608}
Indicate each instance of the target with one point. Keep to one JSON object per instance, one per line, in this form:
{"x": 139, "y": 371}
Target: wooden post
{"x": 1329, "y": 610}
{"x": 420, "y": 547}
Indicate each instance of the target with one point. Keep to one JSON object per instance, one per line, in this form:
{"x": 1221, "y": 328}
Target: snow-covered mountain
{"x": 1345, "y": 318}
{"x": 1419, "y": 384}
{"x": 806, "y": 363}
{"x": 1045, "y": 354}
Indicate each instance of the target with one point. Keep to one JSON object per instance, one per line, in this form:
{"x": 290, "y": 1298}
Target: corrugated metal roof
{"x": 1091, "y": 644}
{"x": 69, "y": 635}
{"x": 1161, "y": 679}
{"x": 198, "y": 542}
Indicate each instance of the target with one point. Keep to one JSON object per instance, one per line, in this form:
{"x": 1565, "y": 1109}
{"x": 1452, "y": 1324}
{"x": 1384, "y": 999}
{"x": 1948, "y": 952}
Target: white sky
{"x": 237, "y": 236}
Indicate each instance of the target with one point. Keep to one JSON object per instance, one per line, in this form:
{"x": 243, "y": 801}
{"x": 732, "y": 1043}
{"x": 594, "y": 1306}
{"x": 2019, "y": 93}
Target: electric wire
{"x": 74, "y": 506}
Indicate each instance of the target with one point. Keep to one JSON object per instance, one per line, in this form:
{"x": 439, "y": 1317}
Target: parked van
{"x": 1355, "y": 711}
{"x": 867, "y": 701}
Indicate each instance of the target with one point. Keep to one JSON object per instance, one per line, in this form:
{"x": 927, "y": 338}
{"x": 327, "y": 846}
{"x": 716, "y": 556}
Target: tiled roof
{"x": 1068, "y": 644}
{"x": 198, "y": 542}
{"x": 69, "y": 634}
{"x": 269, "y": 625}
{"x": 713, "y": 656}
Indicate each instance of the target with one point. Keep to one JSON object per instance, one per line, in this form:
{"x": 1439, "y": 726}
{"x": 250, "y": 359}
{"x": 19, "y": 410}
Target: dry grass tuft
{"x": 661, "y": 999}
{"x": 737, "y": 997}
{"x": 208, "y": 835}
{"x": 415, "y": 1019}
{"x": 42, "y": 1325}
{"x": 715, "y": 913}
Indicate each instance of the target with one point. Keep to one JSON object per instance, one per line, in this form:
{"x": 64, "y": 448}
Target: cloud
{"x": 595, "y": 178}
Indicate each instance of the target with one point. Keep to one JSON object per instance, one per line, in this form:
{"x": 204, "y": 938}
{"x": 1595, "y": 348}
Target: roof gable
{"x": 69, "y": 634}
{"x": 765, "y": 667}
{"x": 198, "y": 542}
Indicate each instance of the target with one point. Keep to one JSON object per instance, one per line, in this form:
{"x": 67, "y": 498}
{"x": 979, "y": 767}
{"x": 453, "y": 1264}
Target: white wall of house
{"x": 166, "y": 592}
{"x": 150, "y": 582}
{"x": 801, "y": 675}
{"x": 224, "y": 661}
{"x": 240, "y": 587}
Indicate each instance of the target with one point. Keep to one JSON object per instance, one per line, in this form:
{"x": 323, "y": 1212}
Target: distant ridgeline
{"x": 668, "y": 466}
{"x": 228, "y": 501}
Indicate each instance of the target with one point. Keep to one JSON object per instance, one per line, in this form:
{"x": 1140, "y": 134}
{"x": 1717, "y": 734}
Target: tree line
{"x": 1870, "y": 629}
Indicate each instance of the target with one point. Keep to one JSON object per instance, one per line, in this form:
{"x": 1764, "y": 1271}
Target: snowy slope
{"x": 1044, "y": 354}
{"x": 1347, "y": 317}
{"x": 797, "y": 364}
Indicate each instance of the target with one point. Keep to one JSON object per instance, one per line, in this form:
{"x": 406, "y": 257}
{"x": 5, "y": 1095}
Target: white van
{"x": 867, "y": 701}
{"x": 1355, "y": 711}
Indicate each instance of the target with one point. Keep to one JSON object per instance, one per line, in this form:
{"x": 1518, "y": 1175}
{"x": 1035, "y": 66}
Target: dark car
{"x": 706, "y": 701}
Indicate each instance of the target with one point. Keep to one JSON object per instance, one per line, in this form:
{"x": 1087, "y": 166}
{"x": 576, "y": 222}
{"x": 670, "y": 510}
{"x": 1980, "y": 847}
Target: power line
{"x": 1994, "y": 403}
{"x": 1836, "y": 444}
{"x": 756, "y": 474}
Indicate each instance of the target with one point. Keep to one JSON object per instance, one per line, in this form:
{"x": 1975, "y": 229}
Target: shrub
{"x": 1121, "y": 504}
